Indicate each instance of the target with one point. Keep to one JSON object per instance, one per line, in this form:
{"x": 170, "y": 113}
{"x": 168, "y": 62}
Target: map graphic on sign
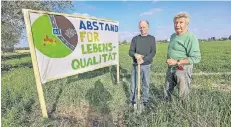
{"x": 54, "y": 36}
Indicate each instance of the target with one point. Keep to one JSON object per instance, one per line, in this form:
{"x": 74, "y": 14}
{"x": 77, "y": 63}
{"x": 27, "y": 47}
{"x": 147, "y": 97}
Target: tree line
{"x": 200, "y": 40}
{"x": 12, "y": 20}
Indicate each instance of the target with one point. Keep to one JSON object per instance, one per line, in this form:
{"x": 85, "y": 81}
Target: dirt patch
{"x": 222, "y": 87}
{"x": 79, "y": 114}
{"x": 86, "y": 116}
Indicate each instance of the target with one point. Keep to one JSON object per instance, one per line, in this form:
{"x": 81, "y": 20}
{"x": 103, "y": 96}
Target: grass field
{"x": 94, "y": 98}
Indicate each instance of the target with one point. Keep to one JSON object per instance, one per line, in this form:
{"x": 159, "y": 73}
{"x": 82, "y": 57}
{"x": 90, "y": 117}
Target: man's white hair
{"x": 182, "y": 15}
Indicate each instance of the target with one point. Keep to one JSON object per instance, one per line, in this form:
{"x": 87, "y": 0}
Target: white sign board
{"x": 66, "y": 45}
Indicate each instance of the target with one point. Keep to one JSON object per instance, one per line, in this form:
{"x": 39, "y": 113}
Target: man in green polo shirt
{"x": 183, "y": 52}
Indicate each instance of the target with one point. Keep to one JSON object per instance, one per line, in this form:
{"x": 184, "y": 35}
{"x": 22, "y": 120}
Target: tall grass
{"x": 93, "y": 98}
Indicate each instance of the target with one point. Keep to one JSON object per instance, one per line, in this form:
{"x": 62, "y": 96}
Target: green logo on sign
{"x": 54, "y": 36}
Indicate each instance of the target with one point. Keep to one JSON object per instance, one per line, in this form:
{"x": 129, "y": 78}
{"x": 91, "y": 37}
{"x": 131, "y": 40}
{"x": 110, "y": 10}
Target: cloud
{"x": 160, "y": 33}
{"x": 163, "y": 32}
{"x": 195, "y": 29}
{"x": 151, "y": 12}
{"x": 131, "y": 5}
{"x": 154, "y": 1}
{"x": 83, "y": 14}
{"x": 164, "y": 27}
{"x": 81, "y": 4}
{"x": 126, "y": 35}
{"x": 91, "y": 7}
{"x": 205, "y": 33}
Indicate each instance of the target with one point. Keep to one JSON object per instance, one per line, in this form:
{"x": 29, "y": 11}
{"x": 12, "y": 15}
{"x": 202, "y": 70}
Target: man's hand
{"x": 171, "y": 62}
{"x": 138, "y": 56}
{"x": 140, "y": 61}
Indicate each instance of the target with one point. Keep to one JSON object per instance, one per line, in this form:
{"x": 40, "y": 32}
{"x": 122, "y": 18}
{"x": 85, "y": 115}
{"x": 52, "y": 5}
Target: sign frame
{"x": 34, "y": 57}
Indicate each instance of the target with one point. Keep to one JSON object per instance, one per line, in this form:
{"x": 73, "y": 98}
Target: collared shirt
{"x": 184, "y": 46}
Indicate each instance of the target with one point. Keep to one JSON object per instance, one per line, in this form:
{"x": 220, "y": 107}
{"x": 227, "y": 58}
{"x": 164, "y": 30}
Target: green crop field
{"x": 94, "y": 97}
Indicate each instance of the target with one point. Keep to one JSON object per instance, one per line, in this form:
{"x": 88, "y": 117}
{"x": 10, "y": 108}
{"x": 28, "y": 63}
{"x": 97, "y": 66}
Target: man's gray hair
{"x": 182, "y": 15}
{"x": 144, "y": 21}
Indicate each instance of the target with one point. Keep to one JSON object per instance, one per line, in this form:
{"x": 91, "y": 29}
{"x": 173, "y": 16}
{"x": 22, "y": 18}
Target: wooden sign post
{"x": 35, "y": 65}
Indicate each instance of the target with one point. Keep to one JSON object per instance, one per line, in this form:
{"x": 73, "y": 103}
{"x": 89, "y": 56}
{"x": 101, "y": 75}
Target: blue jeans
{"x": 145, "y": 79}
